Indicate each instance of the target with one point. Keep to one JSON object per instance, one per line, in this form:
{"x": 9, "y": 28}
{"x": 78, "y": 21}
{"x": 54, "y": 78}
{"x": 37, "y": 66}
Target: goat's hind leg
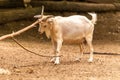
{"x": 79, "y": 57}
{"x": 89, "y": 42}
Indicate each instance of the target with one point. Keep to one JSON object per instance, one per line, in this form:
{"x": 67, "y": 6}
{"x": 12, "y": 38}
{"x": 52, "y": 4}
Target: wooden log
{"x": 62, "y": 6}
{"x": 11, "y": 3}
{"x": 103, "y": 1}
{"x": 18, "y": 14}
{"x": 14, "y": 3}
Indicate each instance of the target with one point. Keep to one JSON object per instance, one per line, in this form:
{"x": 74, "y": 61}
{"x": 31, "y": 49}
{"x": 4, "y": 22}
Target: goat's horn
{"x": 42, "y": 11}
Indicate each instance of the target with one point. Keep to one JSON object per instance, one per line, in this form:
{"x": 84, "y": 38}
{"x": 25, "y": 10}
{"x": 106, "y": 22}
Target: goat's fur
{"x": 74, "y": 27}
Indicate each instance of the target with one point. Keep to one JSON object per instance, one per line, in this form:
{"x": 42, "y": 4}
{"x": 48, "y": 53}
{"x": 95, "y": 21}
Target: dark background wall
{"x": 107, "y": 27}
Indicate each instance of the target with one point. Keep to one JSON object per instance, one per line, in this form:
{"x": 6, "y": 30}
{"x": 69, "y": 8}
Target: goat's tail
{"x": 94, "y": 17}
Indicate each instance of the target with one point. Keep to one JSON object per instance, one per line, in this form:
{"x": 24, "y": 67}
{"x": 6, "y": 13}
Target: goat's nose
{"x": 40, "y": 33}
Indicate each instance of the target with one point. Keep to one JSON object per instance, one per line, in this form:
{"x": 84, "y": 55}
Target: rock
{"x": 4, "y": 71}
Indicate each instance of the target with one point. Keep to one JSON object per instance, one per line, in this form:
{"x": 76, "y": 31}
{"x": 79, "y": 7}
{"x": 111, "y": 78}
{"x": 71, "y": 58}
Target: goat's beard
{"x": 47, "y": 32}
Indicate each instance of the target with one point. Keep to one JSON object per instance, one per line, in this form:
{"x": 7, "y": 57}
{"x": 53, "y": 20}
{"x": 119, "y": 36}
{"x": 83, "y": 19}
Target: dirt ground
{"x": 26, "y": 66}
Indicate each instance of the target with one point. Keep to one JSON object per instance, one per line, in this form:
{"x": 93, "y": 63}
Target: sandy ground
{"x": 26, "y": 66}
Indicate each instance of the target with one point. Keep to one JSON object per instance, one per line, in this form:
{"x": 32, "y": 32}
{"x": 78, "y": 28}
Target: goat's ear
{"x": 37, "y": 16}
{"x": 51, "y": 22}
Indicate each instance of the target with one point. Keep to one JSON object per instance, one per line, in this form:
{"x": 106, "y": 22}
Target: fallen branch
{"x": 24, "y": 29}
{"x": 31, "y": 50}
{"x": 20, "y": 31}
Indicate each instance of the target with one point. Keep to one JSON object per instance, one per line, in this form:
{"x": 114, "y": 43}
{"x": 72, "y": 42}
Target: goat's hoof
{"x": 57, "y": 60}
{"x": 56, "y": 63}
{"x": 90, "y": 60}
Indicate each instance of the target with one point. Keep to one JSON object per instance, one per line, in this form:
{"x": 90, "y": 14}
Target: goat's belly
{"x": 73, "y": 36}
{"x": 74, "y": 39}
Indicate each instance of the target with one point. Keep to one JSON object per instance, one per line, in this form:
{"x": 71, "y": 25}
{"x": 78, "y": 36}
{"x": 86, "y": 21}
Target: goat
{"x": 76, "y": 27}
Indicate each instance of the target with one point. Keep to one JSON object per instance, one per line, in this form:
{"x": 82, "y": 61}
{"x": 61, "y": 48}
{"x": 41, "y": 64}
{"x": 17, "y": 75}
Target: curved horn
{"x": 37, "y": 16}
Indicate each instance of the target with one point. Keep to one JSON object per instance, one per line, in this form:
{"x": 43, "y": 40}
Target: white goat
{"x": 74, "y": 27}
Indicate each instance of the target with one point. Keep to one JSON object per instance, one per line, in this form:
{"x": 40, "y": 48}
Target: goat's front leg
{"x": 57, "y": 46}
{"x": 57, "y": 51}
{"x": 54, "y": 48}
